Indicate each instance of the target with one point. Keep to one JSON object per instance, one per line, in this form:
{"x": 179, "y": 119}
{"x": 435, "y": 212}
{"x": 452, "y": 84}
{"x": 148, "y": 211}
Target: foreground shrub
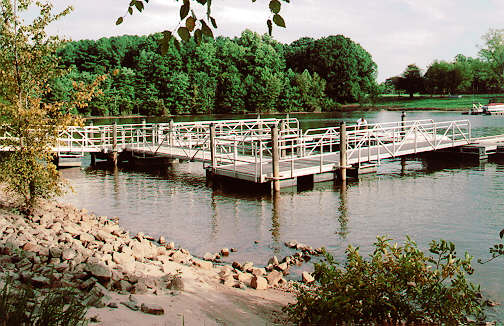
{"x": 396, "y": 284}
{"x": 23, "y": 305}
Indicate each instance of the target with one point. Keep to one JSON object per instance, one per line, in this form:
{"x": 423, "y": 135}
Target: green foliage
{"x": 347, "y": 68}
{"x": 443, "y": 77}
{"x": 23, "y": 305}
{"x": 493, "y": 53}
{"x": 240, "y": 75}
{"x": 411, "y": 80}
{"x": 397, "y": 284}
{"x": 31, "y": 115}
{"x": 496, "y": 251}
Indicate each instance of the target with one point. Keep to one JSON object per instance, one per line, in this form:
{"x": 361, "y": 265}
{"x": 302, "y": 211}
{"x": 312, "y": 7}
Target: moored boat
{"x": 493, "y": 109}
{"x": 475, "y": 110}
{"x": 489, "y": 109}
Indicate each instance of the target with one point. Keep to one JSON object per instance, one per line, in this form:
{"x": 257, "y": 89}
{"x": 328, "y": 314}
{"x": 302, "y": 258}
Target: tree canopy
{"x": 348, "y": 69}
{"x": 250, "y": 73}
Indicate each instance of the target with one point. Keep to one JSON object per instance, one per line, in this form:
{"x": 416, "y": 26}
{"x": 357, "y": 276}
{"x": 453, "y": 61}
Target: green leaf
{"x": 278, "y": 20}
{"x": 130, "y": 11}
{"x": 165, "y": 42}
{"x": 205, "y": 29}
{"x": 190, "y": 23}
{"x": 198, "y": 36}
{"x": 184, "y": 10}
{"x": 139, "y": 5}
{"x": 202, "y": 2}
{"x": 501, "y": 233}
{"x": 119, "y": 21}
{"x": 184, "y": 34}
{"x": 270, "y": 26}
{"x": 275, "y": 6}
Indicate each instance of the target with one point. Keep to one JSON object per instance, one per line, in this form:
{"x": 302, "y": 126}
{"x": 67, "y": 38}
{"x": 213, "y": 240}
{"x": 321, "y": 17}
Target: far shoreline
{"x": 349, "y": 108}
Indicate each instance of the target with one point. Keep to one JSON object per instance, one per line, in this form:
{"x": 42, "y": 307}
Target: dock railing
{"x": 320, "y": 147}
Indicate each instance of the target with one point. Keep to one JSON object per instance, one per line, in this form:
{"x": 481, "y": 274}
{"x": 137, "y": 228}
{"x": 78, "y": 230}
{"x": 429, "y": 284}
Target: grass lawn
{"x": 436, "y": 102}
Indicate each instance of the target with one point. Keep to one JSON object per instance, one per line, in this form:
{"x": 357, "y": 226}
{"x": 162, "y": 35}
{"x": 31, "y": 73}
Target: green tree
{"x": 178, "y": 87}
{"x": 30, "y": 125}
{"x": 411, "y": 80}
{"x": 348, "y": 69}
{"x": 443, "y": 77}
{"x": 493, "y": 53}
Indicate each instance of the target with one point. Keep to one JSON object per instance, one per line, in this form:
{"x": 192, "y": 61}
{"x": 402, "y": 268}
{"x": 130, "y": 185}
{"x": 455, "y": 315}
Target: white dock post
{"x": 213, "y": 148}
{"x": 343, "y": 151}
{"x": 170, "y": 135}
{"x": 276, "y": 160}
{"x": 114, "y": 144}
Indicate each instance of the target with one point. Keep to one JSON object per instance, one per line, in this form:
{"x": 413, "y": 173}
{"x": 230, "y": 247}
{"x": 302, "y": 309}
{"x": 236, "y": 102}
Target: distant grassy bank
{"x": 436, "y": 102}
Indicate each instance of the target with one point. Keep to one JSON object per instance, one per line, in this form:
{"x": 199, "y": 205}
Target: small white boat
{"x": 493, "y": 108}
{"x": 475, "y": 110}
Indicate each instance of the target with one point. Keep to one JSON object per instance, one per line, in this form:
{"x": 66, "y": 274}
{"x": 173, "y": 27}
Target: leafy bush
{"x": 22, "y": 305}
{"x": 397, "y": 284}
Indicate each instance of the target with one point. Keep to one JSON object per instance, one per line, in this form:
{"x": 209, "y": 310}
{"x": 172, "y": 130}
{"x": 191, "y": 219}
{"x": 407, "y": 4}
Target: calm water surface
{"x": 424, "y": 199}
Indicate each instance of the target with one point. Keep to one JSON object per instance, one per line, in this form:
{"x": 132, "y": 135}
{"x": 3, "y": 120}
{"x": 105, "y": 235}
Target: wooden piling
{"x": 343, "y": 152}
{"x": 276, "y": 158}
{"x": 213, "y": 148}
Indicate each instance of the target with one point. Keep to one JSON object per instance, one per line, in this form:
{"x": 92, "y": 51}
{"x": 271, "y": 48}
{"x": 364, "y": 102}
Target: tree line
{"x": 250, "y": 73}
{"x": 462, "y": 75}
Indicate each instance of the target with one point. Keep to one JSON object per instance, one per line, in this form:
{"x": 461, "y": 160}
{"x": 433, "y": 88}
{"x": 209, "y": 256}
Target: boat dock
{"x": 275, "y": 152}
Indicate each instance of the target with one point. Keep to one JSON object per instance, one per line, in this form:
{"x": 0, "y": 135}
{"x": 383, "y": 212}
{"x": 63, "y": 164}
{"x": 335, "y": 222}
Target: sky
{"x": 395, "y": 32}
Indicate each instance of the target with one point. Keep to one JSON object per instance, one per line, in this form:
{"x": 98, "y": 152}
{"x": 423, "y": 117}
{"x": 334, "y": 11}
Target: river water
{"x": 423, "y": 198}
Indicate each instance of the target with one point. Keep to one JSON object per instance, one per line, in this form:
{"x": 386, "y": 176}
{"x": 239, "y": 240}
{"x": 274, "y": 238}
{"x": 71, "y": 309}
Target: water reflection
{"x": 343, "y": 211}
{"x": 403, "y": 166}
{"x": 275, "y": 221}
{"x": 215, "y": 216}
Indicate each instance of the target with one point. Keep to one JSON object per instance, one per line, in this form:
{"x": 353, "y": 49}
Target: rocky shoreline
{"x": 61, "y": 246}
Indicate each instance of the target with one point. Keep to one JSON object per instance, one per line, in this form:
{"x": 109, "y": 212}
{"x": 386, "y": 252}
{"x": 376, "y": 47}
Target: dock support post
{"x": 114, "y": 144}
{"x": 170, "y": 135}
{"x": 343, "y": 152}
{"x": 276, "y": 159}
{"x": 213, "y": 148}
{"x": 403, "y": 124}
{"x": 259, "y": 125}
{"x": 282, "y": 142}
{"x": 93, "y": 159}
